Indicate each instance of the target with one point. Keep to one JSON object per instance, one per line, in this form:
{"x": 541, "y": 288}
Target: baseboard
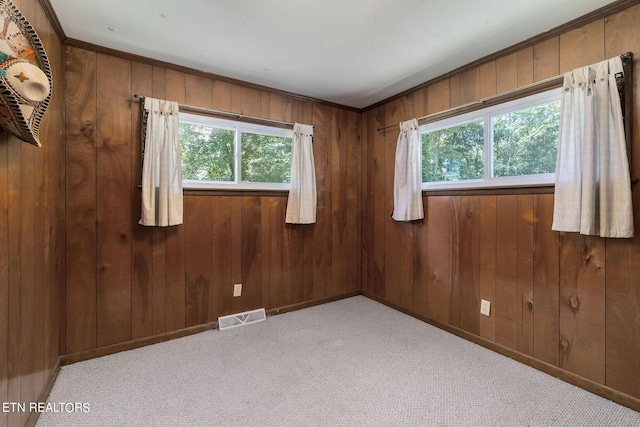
{"x": 307, "y": 304}
{"x": 68, "y": 359}
{"x": 569, "y": 377}
{"x": 44, "y": 394}
{"x": 142, "y": 342}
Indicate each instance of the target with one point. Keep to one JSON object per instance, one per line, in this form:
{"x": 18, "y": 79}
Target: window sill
{"x": 234, "y": 192}
{"x": 547, "y": 188}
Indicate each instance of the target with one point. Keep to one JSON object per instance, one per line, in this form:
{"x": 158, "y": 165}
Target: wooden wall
{"x": 569, "y": 301}
{"x": 32, "y": 242}
{"x": 127, "y": 282}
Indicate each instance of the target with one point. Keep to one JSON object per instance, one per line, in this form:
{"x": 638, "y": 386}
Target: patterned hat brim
{"x": 18, "y": 116}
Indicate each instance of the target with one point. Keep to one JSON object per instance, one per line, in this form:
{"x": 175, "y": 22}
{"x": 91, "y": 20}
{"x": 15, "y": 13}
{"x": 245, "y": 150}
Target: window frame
{"x": 485, "y": 114}
{"x": 239, "y": 127}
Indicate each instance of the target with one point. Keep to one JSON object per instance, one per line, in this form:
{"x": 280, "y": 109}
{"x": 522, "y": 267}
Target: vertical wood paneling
{"x": 589, "y": 38}
{"x": 352, "y": 181}
{"x": 546, "y": 266}
{"x": 419, "y": 106}
{"x": 339, "y": 236}
{"x": 251, "y": 254}
{"x": 113, "y": 133}
{"x": 221, "y": 255}
{"x": 379, "y": 199}
{"x": 406, "y": 239}
{"x": 304, "y": 114}
{"x": 524, "y": 59}
{"x": 236, "y": 99}
{"x": 81, "y": 249}
{"x": 221, "y": 95}
{"x": 488, "y": 260}
{"x": 236, "y": 250}
{"x": 174, "y": 244}
{"x": 42, "y": 237}
{"x": 27, "y": 285}
{"x": 469, "y": 264}
{"x": 31, "y": 229}
{"x": 265, "y": 252}
{"x": 328, "y": 197}
{"x": 623, "y": 266}
{"x": 14, "y": 197}
{"x": 175, "y": 249}
{"x": 506, "y": 270}
{"x": 321, "y": 227}
{"x": 4, "y": 274}
{"x": 198, "y": 256}
{"x": 365, "y": 218}
{"x": 456, "y": 234}
{"x": 438, "y": 97}
{"x": 141, "y": 237}
{"x": 488, "y": 79}
{"x": 506, "y": 73}
{"x": 198, "y": 91}
{"x": 582, "y": 306}
{"x": 251, "y": 102}
{"x": 420, "y": 263}
{"x": 546, "y": 59}
{"x": 470, "y": 86}
{"x": 524, "y": 305}
{"x": 277, "y": 206}
{"x": 392, "y": 229}
{"x": 470, "y": 246}
{"x": 454, "y": 91}
{"x": 439, "y": 249}
{"x": 623, "y": 255}
{"x": 159, "y": 84}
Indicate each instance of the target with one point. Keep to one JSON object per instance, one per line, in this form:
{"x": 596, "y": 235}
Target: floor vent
{"x": 241, "y": 319}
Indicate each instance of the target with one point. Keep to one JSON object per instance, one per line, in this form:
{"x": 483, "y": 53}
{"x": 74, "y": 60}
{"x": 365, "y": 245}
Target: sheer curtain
{"x": 161, "y": 168}
{"x": 301, "y": 204}
{"x": 593, "y": 186}
{"x": 407, "y": 183}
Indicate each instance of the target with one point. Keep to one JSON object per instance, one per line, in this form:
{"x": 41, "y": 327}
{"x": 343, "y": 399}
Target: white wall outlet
{"x": 485, "y": 307}
{"x": 237, "y": 290}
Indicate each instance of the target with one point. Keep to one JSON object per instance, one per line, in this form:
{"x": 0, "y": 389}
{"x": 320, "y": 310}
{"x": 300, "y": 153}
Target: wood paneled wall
{"x": 32, "y": 242}
{"x": 126, "y": 282}
{"x": 570, "y": 301}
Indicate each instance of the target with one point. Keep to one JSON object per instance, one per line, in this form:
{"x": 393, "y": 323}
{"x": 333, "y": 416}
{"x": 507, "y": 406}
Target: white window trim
{"x": 537, "y": 180}
{"x": 238, "y": 127}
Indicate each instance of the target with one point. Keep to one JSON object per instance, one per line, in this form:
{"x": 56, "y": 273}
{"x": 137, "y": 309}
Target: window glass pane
{"x": 453, "y": 154}
{"x": 207, "y": 152}
{"x": 265, "y": 158}
{"x": 525, "y": 141}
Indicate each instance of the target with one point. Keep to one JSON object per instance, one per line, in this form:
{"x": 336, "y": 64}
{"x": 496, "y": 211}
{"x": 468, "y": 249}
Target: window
{"x": 509, "y": 144}
{"x": 218, "y": 153}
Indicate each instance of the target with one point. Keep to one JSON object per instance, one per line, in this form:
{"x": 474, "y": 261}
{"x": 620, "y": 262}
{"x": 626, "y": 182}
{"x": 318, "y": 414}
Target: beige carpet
{"x": 351, "y": 362}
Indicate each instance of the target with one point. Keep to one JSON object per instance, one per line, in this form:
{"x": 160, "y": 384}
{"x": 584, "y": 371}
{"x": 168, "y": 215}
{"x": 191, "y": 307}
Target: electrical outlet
{"x": 485, "y": 307}
{"x": 237, "y": 290}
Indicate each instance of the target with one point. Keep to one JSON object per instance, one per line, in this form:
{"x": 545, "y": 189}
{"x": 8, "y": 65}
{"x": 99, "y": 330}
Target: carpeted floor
{"x": 350, "y": 362}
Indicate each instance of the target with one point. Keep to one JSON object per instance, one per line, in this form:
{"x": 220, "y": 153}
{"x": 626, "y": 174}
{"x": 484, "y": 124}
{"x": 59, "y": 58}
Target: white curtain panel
{"x": 407, "y": 183}
{"x": 593, "y": 186}
{"x": 302, "y": 201}
{"x": 161, "y": 168}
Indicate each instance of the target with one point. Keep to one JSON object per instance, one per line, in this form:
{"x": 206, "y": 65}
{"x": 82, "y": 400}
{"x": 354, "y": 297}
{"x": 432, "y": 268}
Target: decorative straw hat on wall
{"x": 25, "y": 75}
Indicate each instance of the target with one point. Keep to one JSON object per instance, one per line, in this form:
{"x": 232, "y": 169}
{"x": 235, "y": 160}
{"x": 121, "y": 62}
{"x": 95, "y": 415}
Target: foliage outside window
{"x": 514, "y": 143}
{"x": 219, "y": 153}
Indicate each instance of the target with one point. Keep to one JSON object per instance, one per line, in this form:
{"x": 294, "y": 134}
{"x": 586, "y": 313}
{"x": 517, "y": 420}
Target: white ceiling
{"x": 350, "y": 52}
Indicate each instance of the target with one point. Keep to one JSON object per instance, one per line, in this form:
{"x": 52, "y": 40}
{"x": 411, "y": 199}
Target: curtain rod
{"x": 550, "y": 82}
{"x": 194, "y": 109}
